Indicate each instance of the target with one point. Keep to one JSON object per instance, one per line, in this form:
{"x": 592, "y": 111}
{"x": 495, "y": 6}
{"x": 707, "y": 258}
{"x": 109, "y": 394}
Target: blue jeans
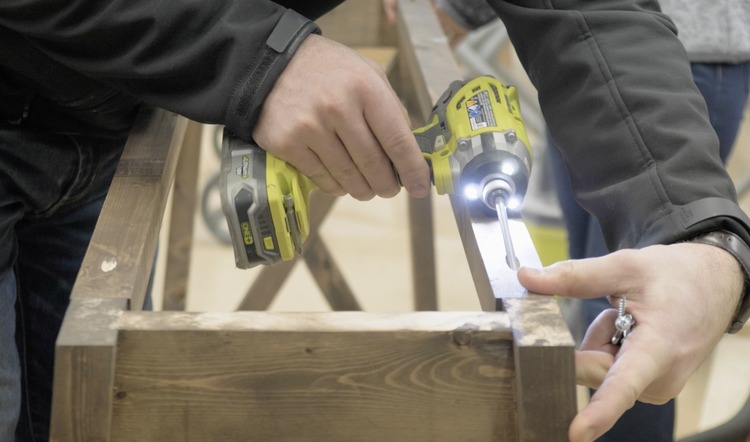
{"x": 51, "y": 191}
{"x": 725, "y": 89}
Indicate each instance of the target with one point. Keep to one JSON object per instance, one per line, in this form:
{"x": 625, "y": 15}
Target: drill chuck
{"x": 500, "y": 170}
{"x": 496, "y": 189}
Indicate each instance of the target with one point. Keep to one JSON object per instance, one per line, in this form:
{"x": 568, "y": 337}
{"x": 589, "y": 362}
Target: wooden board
{"x": 184, "y": 201}
{"x": 122, "y": 250}
{"x": 543, "y": 346}
{"x": 84, "y": 371}
{"x": 344, "y": 376}
{"x": 358, "y": 23}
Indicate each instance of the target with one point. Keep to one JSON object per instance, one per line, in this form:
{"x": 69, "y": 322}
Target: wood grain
{"x": 424, "y": 70}
{"x": 84, "y": 371}
{"x": 345, "y": 376}
{"x": 122, "y": 249}
{"x": 358, "y": 23}
{"x": 184, "y": 200}
{"x": 543, "y": 346}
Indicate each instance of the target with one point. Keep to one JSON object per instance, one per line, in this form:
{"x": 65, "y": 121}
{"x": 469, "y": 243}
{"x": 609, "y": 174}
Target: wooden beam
{"x": 259, "y": 376}
{"x": 318, "y": 259}
{"x": 358, "y": 23}
{"x": 425, "y": 69}
{"x": 543, "y": 350}
{"x": 320, "y": 262}
{"x": 427, "y": 62}
{"x": 543, "y": 355}
{"x": 543, "y": 346}
{"x": 422, "y": 243}
{"x": 184, "y": 199}
{"x": 121, "y": 253}
{"x": 84, "y": 371}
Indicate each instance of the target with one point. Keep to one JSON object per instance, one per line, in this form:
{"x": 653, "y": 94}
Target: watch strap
{"x": 739, "y": 249}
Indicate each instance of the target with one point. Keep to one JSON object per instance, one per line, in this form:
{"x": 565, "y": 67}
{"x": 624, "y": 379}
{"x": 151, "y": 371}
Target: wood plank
{"x": 543, "y": 356}
{"x": 426, "y": 67}
{"x": 320, "y": 262}
{"x": 358, "y": 23}
{"x": 119, "y": 259}
{"x": 422, "y": 243}
{"x": 266, "y": 285}
{"x": 184, "y": 200}
{"x": 543, "y": 346}
{"x": 259, "y": 376}
{"x": 84, "y": 371}
{"x": 329, "y": 277}
{"x": 543, "y": 350}
{"x": 425, "y": 59}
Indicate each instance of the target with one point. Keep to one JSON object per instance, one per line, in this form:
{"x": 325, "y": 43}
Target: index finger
{"x": 582, "y": 278}
{"x": 388, "y": 124}
{"x": 626, "y": 380}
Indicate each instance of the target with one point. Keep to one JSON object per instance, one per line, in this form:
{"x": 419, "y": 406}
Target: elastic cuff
{"x": 290, "y": 31}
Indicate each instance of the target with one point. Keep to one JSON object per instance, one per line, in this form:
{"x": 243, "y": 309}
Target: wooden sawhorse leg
{"x": 318, "y": 260}
{"x": 184, "y": 197}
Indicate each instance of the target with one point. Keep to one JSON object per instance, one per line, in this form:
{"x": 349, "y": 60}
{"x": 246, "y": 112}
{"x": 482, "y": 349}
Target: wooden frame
{"x": 124, "y": 374}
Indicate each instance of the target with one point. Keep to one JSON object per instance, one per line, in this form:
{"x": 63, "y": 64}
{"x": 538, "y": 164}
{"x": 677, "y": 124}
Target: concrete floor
{"x": 370, "y": 243}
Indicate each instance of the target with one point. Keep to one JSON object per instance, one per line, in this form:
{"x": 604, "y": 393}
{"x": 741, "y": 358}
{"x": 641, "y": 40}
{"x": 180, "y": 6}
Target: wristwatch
{"x": 739, "y": 249}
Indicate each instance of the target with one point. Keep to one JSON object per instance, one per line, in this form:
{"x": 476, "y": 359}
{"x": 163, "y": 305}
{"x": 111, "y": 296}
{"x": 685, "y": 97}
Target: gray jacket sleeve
{"x": 617, "y": 93}
{"x": 212, "y": 61}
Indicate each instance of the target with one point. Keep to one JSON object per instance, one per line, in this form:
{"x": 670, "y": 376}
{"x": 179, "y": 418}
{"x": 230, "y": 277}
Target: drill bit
{"x": 495, "y": 195}
{"x": 502, "y": 216}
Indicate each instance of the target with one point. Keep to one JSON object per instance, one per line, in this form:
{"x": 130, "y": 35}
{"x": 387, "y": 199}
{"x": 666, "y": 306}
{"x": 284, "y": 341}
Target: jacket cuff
{"x": 290, "y": 31}
{"x": 701, "y": 216}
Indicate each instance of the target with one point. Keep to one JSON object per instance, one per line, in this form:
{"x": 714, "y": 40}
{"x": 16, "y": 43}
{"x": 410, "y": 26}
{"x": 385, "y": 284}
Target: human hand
{"x": 333, "y": 115}
{"x": 389, "y": 7}
{"x": 682, "y": 296}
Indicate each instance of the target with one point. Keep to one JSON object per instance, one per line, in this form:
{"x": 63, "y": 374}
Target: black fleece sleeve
{"x": 207, "y": 60}
{"x": 616, "y": 90}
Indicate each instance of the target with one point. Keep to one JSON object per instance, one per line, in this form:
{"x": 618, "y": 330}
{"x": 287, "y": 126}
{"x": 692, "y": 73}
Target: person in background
{"x": 74, "y": 74}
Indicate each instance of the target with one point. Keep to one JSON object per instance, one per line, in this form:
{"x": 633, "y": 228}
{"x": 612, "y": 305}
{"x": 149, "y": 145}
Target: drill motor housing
{"x": 477, "y": 136}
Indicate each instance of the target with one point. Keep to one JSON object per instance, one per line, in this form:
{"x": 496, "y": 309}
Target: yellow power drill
{"x": 476, "y": 145}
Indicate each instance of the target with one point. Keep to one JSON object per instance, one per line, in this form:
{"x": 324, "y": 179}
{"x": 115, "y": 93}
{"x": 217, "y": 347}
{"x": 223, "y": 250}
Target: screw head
{"x": 624, "y": 322}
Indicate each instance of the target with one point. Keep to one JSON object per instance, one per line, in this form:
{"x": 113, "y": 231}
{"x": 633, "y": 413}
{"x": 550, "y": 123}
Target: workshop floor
{"x": 370, "y": 240}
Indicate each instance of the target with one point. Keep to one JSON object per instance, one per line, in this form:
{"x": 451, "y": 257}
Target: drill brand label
{"x": 243, "y": 201}
{"x": 247, "y": 236}
{"x": 479, "y": 108}
{"x": 243, "y": 170}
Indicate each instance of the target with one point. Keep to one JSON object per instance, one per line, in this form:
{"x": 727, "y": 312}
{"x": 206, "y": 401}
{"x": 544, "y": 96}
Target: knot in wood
{"x": 462, "y": 335}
